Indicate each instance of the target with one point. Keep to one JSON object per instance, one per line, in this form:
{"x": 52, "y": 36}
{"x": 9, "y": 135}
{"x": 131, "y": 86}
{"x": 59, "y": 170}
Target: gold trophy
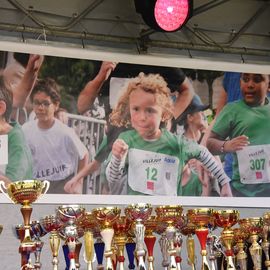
{"x": 202, "y": 218}
{"x": 189, "y": 230}
{"x": 170, "y": 214}
{"x": 254, "y": 226}
{"x": 106, "y": 216}
{"x": 226, "y": 219}
{"x": 139, "y": 213}
{"x": 51, "y": 225}
{"x": 240, "y": 237}
{"x": 90, "y": 226}
{"x": 25, "y": 192}
{"x": 265, "y": 243}
{"x": 149, "y": 239}
{"x": 121, "y": 228}
{"x": 71, "y": 215}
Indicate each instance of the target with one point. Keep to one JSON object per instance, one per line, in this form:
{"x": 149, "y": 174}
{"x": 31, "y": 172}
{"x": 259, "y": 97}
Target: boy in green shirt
{"x": 246, "y": 124}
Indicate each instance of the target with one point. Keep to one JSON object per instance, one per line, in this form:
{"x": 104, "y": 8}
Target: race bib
{"x": 153, "y": 173}
{"x": 3, "y": 149}
{"x": 254, "y": 164}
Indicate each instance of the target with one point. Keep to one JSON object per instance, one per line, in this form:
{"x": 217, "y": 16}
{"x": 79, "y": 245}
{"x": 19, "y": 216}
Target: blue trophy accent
{"x": 130, "y": 247}
{"x": 66, "y": 252}
{"x": 99, "y": 249}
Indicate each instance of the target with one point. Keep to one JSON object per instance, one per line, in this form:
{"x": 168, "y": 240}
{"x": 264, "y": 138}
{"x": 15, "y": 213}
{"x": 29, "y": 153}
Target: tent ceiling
{"x": 232, "y": 30}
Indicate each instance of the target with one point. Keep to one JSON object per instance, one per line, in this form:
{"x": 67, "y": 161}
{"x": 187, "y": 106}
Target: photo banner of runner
{"x": 114, "y": 128}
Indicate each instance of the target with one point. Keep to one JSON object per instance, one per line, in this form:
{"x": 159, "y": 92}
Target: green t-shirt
{"x": 237, "y": 119}
{"x": 19, "y": 165}
{"x": 169, "y": 144}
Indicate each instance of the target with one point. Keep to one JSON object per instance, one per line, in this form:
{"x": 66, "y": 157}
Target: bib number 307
{"x": 257, "y": 164}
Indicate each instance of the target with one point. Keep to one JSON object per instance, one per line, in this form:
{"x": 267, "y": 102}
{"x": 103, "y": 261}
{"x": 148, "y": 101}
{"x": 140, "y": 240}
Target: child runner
{"x": 151, "y": 156}
{"x": 56, "y": 149}
{"x": 243, "y": 128}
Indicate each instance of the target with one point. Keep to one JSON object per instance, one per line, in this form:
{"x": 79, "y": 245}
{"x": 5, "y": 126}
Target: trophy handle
{"x": 46, "y": 184}
{"x": 3, "y": 189}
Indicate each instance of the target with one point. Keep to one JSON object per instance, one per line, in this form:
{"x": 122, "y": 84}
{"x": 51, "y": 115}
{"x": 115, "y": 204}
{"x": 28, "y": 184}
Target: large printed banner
{"x": 109, "y": 127}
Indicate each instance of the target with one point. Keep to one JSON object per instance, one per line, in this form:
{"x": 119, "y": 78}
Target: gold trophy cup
{"x": 226, "y": 219}
{"x": 254, "y": 226}
{"x": 51, "y": 224}
{"x": 90, "y": 227}
{"x": 202, "y": 218}
{"x": 139, "y": 213}
{"x": 265, "y": 243}
{"x": 25, "y": 192}
{"x": 240, "y": 236}
{"x": 106, "y": 216}
{"x": 170, "y": 214}
{"x": 71, "y": 215}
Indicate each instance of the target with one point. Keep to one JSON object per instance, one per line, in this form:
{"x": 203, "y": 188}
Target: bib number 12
{"x": 151, "y": 173}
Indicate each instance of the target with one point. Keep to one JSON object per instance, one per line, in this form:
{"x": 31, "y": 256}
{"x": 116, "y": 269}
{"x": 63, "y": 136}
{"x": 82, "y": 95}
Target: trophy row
{"x": 106, "y": 233}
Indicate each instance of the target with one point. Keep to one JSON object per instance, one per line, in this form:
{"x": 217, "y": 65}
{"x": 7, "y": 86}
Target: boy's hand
{"x": 237, "y": 143}
{"x": 119, "y": 148}
{"x": 226, "y": 191}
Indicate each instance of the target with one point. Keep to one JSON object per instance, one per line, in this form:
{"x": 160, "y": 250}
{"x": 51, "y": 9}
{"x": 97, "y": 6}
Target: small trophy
{"x": 51, "y": 225}
{"x": 265, "y": 243}
{"x": 170, "y": 214}
{"x": 90, "y": 227}
{"x": 149, "y": 239}
{"x": 226, "y": 219}
{"x": 254, "y": 227}
{"x": 240, "y": 236}
{"x": 139, "y": 213}
{"x": 106, "y": 216}
{"x": 25, "y": 192}
{"x": 37, "y": 232}
{"x": 189, "y": 230}
{"x": 121, "y": 228}
{"x": 202, "y": 218}
{"x": 70, "y": 215}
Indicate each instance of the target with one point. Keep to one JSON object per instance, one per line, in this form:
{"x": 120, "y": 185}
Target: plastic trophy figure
{"x": 106, "y": 216}
{"x": 265, "y": 243}
{"x": 202, "y": 217}
{"x": 37, "y": 232}
{"x": 240, "y": 236}
{"x": 70, "y": 215}
{"x": 170, "y": 214}
{"x": 139, "y": 213}
{"x": 25, "y": 192}
{"x": 226, "y": 219}
{"x": 189, "y": 230}
{"x": 254, "y": 226}
{"x": 149, "y": 239}
{"x": 51, "y": 225}
{"x": 121, "y": 228}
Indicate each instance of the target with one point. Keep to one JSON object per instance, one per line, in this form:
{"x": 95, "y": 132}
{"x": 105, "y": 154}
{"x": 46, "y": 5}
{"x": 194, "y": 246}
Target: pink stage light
{"x": 170, "y": 15}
